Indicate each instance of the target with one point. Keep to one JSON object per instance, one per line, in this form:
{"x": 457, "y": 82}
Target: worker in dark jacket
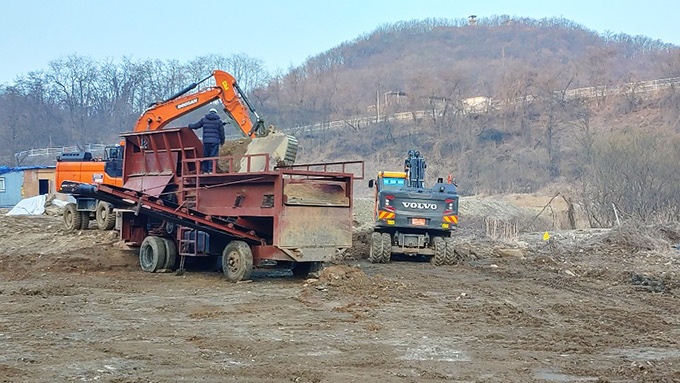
{"x": 213, "y": 137}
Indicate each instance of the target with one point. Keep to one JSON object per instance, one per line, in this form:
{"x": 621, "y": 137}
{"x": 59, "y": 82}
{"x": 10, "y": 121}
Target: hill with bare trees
{"x": 432, "y": 61}
{"x": 606, "y": 148}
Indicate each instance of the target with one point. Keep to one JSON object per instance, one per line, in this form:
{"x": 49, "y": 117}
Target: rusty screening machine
{"x": 249, "y": 212}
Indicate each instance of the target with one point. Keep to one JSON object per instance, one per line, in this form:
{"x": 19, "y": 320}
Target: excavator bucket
{"x": 281, "y": 148}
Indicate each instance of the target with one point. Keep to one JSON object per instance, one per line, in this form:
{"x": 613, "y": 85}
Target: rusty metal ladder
{"x": 187, "y": 244}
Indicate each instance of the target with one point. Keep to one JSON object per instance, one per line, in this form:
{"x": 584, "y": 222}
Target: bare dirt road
{"x": 599, "y": 306}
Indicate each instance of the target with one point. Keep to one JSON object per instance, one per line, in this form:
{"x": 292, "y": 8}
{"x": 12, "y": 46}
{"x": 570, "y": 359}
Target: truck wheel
{"x": 170, "y": 228}
{"x": 152, "y": 254}
{"x": 237, "y": 261}
{"x": 450, "y": 251}
{"x": 387, "y": 248}
{"x": 72, "y": 217}
{"x": 170, "y": 254}
{"x": 376, "y": 252}
{"x": 439, "y": 247}
{"x": 84, "y": 220}
{"x": 106, "y": 218}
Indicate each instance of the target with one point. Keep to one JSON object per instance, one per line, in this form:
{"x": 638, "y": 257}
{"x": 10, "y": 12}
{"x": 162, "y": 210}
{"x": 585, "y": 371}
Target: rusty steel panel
{"x": 232, "y": 197}
{"x": 159, "y": 152}
{"x": 151, "y": 185}
{"x": 262, "y": 252}
{"x": 314, "y": 227}
{"x": 312, "y": 192}
{"x": 150, "y": 160}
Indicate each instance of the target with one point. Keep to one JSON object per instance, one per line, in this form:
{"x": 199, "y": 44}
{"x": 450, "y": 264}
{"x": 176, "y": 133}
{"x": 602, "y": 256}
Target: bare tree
{"x": 74, "y": 79}
{"x": 12, "y": 114}
{"x": 249, "y": 72}
{"x": 636, "y": 173}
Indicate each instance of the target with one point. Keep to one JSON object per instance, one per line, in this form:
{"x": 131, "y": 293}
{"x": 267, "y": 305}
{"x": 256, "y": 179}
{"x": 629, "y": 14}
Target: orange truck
{"x": 82, "y": 167}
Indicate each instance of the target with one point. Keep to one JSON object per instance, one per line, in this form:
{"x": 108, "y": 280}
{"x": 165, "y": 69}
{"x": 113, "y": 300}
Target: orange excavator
{"x": 84, "y": 168}
{"x": 236, "y": 105}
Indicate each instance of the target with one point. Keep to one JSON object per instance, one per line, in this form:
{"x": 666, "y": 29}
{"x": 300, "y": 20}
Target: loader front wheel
{"x": 106, "y": 218}
{"x": 237, "y": 261}
{"x": 376, "y": 252}
{"x": 387, "y": 248}
{"x": 439, "y": 247}
{"x": 72, "y": 217}
{"x": 451, "y": 258}
{"x": 152, "y": 254}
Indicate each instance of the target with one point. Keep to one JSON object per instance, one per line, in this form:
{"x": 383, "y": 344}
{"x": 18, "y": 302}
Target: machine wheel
{"x": 152, "y": 254}
{"x": 170, "y": 254}
{"x": 237, "y": 261}
{"x": 451, "y": 258}
{"x": 376, "y": 252}
{"x": 106, "y": 218}
{"x": 170, "y": 228}
{"x": 72, "y": 217}
{"x": 84, "y": 220}
{"x": 387, "y": 247}
{"x": 439, "y": 247}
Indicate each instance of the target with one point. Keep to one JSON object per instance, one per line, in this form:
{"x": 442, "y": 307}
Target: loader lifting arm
{"x": 157, "y": 115}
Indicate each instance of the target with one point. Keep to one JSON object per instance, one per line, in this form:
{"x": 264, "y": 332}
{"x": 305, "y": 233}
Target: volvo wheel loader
{"x": 413, "y": 219}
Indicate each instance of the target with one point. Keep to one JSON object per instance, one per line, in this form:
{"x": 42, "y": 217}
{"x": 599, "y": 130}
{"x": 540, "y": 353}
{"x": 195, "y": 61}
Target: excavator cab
{"x": 113, "y": 157}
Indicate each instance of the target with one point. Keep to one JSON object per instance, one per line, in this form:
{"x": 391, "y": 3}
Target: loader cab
{"x": 392, "y": 183}
{"x": 388, "y": 180}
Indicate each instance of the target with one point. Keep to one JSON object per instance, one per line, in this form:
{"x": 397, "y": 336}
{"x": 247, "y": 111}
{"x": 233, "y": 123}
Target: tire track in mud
{"x": 595, "y": 313}
{"x": 565, "y": 316}
{"x": 516, "y": 284}
{"x": 616, "y": 292}
{"x": 434, "y": 325}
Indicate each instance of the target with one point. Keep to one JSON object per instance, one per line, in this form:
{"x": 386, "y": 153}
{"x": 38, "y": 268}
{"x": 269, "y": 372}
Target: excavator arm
{"x": 236, "y": 105}
{"x": 281, "y": 148}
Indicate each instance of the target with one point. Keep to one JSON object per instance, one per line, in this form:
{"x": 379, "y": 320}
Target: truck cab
{"x": 83, "y": 167}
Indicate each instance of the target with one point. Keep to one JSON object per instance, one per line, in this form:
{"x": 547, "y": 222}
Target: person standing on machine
{"x": 213, "y": 137}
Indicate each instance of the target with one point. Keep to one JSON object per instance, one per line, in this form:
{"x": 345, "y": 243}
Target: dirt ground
{"x": 583, "y": 305}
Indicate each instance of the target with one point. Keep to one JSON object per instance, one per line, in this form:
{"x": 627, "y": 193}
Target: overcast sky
{"x": 281, "y": 33}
